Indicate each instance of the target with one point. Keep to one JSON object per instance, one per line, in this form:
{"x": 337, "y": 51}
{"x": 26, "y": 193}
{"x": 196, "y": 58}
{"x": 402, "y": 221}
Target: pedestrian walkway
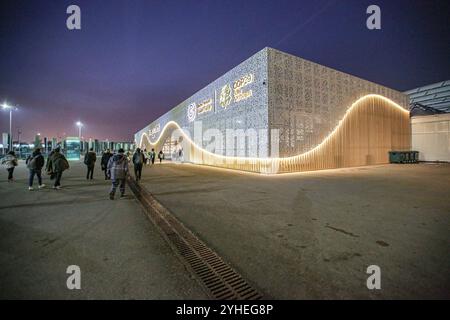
{"x": 312, "y": 235}
{"x": 120, "y": 253}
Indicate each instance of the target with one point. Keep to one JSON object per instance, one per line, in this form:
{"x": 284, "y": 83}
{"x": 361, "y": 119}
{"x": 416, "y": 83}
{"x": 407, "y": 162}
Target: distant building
{"x": 430, "y": 121}
{"x": 100, "y": 146}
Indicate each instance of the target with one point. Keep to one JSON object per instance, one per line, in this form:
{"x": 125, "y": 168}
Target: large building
{"x": 276, "y": 112}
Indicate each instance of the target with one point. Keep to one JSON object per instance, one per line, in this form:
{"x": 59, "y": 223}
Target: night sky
{"x": 134, "y": 60}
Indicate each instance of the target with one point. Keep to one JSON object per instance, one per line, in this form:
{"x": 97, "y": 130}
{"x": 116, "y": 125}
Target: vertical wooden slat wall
{"x": 372, "y": 128}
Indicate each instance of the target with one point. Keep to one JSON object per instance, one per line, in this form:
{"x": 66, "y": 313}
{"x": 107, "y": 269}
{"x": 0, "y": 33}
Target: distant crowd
{"x": 114, "y": 165}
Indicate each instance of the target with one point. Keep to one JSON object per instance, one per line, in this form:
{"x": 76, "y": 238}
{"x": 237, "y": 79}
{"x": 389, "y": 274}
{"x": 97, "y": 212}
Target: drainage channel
{"x": 219, "y": 279}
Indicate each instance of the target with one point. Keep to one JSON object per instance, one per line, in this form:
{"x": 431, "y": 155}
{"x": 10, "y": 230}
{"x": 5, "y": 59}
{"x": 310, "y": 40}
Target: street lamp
{"x": 6, "y": 106}
{"x": 79, "y": 125}
{"x": 18, "y": 142}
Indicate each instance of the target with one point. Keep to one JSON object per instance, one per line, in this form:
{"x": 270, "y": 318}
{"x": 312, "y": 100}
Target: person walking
{"x": 160, "y": 156}
{"x": 144, "y": 153}
{"x": 56, "y": 165}
{"x": 104, "y": 162}
{"x": 10, "y": 162}
{"x": 152, "y": 156}
{"x": 35, "y": 162}
{"x": 138, "y": 162}
{"x": 118, "y": 171}
{"x": 89, "y": 160}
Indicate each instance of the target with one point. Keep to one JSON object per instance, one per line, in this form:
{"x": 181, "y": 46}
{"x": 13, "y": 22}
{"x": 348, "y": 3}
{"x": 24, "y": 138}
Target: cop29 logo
{"x": 225, "y": 96}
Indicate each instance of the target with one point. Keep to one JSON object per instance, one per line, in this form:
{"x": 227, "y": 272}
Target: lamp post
{"x": 18, "y": 142}
{"x": 6, "y": 106}
{"x": 80, "y": 125}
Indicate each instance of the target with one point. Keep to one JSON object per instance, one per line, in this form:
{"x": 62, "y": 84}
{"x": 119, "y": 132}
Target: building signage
{"x": 226, "y": 96}
{"x": 154, "y": 130}
{"x": 205, "y": 106}
{"x": 238, "y": 86}
{"x": 192, "y": 111}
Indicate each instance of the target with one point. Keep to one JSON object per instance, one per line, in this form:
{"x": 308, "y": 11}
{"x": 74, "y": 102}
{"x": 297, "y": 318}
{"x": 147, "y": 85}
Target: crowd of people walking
{"x": 114, "y": 166}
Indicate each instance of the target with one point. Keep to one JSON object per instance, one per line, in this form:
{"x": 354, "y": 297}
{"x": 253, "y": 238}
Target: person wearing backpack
{"x": 10, "y": 162}
{"x": 138, "y": 162}
{"x": 89, "y": 161}
{"x": 35, "y": 162}
{"x": 118, "y": 171}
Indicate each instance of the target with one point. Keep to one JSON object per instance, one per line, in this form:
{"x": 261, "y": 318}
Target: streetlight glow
{"x": 6, "y": 106}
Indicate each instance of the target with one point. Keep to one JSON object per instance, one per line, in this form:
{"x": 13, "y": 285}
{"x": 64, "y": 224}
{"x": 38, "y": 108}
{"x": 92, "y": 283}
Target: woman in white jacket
{"x": 10, "y": 162}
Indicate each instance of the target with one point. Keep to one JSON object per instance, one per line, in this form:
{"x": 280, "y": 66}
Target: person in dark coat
{"x": 160, "y": 156}
{"x": 89, "y": 161}
{"x": 104, "y": 162}
{"x": 56, "y": 165}
{"x": 35, "y": 162}
{"x": 152, "y": 156}
{"x": 138, "y": 162}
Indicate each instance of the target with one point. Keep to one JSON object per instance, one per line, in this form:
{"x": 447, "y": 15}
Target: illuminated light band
{"x": 271, "y": 165}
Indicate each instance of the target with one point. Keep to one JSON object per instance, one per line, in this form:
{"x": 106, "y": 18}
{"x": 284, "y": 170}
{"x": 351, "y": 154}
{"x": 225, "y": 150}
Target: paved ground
{"x": 120, "y": 253}
{"x": 313, "y": 235}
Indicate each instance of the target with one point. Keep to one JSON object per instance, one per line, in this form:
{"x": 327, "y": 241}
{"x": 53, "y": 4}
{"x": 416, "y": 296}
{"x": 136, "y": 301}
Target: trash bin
{"x": 403, "y": 156}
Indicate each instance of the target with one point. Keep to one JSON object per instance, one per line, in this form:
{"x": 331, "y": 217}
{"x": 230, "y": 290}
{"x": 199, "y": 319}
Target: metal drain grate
{"x": 219, "y": 279}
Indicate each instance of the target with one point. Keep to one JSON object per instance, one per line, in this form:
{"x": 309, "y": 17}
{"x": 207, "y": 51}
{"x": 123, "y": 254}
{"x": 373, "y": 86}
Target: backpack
{"x": 31, "y": 162}
{"x": 88, "y": 159}
{"x": 138, "y": 159}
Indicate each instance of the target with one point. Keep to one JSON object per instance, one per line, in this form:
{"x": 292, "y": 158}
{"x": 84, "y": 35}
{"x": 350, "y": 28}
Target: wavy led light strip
{"x": 257, "y": 164}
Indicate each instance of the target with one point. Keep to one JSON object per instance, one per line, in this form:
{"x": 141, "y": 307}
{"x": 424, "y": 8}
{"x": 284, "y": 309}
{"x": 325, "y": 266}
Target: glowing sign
{"x": 225, "y": 96}
{"x": 239, "y": 84}
{"x": 205, "y": 106}
{"x": 191, "y": 111}
{"x": 154, "y": 130}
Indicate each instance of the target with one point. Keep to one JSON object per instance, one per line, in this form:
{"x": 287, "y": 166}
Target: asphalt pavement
{"x": 313, "y": 235}
{"x": 120, "y": 253}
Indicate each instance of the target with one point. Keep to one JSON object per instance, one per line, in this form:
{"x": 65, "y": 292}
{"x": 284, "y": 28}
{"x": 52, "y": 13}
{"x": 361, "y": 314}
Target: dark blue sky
{"x": 134, "y": 60}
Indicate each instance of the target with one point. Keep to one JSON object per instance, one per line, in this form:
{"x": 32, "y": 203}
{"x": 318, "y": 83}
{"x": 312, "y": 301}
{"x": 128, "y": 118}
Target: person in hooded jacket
{"x": 10, "y": 162}
{"x": 35, "y": 162}
{"x": 118, "y": 171}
